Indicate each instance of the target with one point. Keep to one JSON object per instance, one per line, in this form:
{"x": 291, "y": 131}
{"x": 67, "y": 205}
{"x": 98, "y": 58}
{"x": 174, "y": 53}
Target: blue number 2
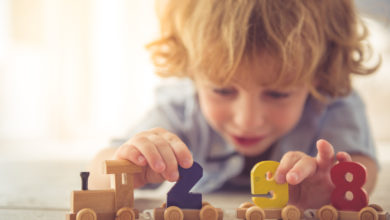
{"x": 179, "y": 194}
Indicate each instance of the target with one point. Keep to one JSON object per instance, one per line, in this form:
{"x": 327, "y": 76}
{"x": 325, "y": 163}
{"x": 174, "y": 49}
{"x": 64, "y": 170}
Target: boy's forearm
{"x": 97, "y": 179}
{"x": 372, "y": 171}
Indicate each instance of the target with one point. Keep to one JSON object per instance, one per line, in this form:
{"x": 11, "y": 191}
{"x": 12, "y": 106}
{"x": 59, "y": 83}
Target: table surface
{"x": 41, "y": 190}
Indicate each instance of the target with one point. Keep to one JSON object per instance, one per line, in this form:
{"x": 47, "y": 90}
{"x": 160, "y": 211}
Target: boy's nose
{"x": 248, "y": 115}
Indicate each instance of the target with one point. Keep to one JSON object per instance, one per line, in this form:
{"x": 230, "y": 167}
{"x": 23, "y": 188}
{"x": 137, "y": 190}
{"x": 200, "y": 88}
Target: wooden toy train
{"x": 118, "y": 203}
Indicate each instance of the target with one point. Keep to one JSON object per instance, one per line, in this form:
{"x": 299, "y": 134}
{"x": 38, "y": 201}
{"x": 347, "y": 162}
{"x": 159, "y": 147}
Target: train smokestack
{"x": 84, "y": 180}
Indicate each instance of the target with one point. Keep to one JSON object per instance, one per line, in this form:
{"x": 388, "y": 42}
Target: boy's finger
{"x": 171, "y": 172}
{"x": 151, "y": 154}
{"x": 182, "y": 153}
{"x": 325, "y": 156}
{"x": 304, "y": 168}
{"x": 131, "y": 153}
{"x": 153, "y": 177}
{"x": 286, "y": 163}
{"x": 343, "y": 156}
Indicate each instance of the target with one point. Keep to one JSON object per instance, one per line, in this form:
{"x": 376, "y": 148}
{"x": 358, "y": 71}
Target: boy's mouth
{"x": 246, "y": 141}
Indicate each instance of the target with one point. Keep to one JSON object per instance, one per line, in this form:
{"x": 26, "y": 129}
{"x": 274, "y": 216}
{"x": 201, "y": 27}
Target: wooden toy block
{"x": 179, "y": 194}
{"x": 124, "y": 190}
{"x": 120, "y": 166}
{"x": 87, "y": 199}
{"x": 338, "y": 175}
{"x": 262, "y": 185}
{"x": 123, "y": 180}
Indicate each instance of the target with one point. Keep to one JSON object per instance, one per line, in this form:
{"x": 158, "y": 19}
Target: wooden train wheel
{"x": 208, "y": 212}
{"x": 291, "y": 212}
{"x": 125, "y": 213}
{"x": 86, "y": 214}
{"x": 377, "y": 207}
{"x": 255, "y": 213}
{"x": 368, "y": 213}
{"x": 173, "y": 213}
{"x": 204, "y": 203}
{"x": 246, "y": 205}
{"x": 327, "y": 212}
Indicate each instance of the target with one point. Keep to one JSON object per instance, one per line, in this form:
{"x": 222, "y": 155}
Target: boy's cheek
{"x": 217, "y": 117}
{"x": 214, "y": 111}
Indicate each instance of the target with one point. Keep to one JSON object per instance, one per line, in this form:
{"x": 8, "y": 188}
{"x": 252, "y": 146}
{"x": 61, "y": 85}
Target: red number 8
{"x": 342, "y": 186}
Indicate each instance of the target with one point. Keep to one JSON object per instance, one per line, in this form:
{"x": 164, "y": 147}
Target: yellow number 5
{"x": 261, "y": 185}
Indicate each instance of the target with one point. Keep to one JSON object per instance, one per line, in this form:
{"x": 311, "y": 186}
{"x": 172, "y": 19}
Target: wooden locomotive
{"x": 112, "y": 204}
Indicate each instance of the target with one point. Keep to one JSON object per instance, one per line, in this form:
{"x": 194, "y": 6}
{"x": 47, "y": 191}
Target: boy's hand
{"x": 160, "y": 151}
{"x": 309, "y": 177}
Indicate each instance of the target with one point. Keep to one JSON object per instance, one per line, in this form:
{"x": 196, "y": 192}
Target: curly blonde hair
{"x": 317, "y": 41}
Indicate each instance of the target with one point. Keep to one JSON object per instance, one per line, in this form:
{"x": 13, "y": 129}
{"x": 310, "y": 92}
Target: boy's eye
{"x": 277, "y": 94}
{"x": 224, "y": 91}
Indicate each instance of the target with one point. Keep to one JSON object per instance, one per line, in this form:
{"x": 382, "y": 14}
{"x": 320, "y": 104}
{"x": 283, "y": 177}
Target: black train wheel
{"x": 255, "y": 213}
{"x": 86, "y": 214}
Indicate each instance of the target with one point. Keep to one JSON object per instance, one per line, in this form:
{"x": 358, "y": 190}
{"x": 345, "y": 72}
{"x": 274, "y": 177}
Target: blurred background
{"x": 74, "y": 74}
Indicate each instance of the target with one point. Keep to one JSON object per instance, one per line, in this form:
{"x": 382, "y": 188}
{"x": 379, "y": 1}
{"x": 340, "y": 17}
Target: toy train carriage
{"x": 328, "y": 212}
{"x": 112, "y": 204}
{"x": 182, "y": 204}
{"x": 269, "y": 198}
{"x": 207, "y": 212}
{"x": 250, "y": 211}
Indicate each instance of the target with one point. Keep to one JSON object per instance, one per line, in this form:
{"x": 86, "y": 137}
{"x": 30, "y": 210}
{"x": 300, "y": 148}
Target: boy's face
{"x": 249, "y": 116}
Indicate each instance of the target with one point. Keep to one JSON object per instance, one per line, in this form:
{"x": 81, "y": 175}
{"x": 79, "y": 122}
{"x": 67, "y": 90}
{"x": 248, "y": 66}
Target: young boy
{"x": 269, "y": 80}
